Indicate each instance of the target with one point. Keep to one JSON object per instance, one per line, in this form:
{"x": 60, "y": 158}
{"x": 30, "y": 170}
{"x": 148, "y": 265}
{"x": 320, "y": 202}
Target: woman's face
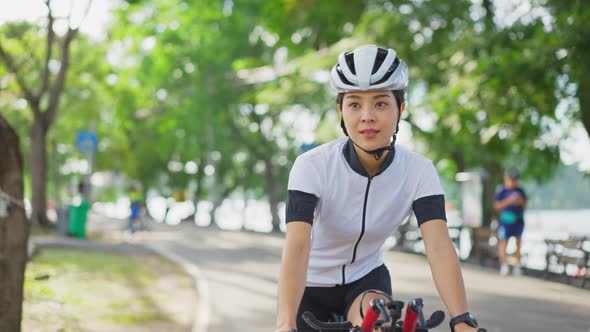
{"x": 370, "y": 117}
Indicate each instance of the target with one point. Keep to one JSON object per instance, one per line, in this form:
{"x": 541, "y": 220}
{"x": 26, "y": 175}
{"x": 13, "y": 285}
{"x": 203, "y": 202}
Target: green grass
{"x": 69, "y": 290}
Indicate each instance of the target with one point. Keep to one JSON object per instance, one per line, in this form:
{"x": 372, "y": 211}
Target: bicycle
{"x": 391, "y": 312}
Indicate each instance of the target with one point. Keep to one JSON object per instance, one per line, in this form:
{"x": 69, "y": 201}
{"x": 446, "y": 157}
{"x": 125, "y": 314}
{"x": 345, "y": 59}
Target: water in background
{"x": 235, "y": 214}
{"x": 550, "y": 224}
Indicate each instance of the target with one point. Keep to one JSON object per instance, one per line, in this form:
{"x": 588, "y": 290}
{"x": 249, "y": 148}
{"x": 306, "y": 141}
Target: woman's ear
{"x": 402, "y": 108}
{"x": 339, "y": 107}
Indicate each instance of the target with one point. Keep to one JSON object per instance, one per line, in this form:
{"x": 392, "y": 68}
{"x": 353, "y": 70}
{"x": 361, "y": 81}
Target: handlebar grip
{"x": 370, "y": 319}
{"x": 411, "y": 320}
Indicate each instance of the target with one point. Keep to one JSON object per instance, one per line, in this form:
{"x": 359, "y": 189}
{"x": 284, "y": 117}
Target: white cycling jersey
{"x": 353, "y": 214}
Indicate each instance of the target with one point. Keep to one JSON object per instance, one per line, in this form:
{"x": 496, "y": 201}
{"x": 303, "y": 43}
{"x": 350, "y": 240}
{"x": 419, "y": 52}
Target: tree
{"x": 572, "y": 26}
{"x": 483, "y": 92}
{"x": 186, "y": 89}
{"x": 14, "y": 230}
{"x": 42, "y": 87}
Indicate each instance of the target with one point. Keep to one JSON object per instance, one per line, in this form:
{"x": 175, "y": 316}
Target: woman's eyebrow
{"x": 374, "y": 97}
{"x": 352, "y": 97}
{"x": 381, "y": 96}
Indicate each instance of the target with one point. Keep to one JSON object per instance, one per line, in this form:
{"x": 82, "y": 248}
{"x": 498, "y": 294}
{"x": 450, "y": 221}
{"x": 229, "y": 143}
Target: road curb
{"x": 203, "y": 312}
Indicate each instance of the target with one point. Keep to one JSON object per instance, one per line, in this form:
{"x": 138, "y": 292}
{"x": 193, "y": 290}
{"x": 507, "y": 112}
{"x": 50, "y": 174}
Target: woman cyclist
{"x": 347, "y": 196}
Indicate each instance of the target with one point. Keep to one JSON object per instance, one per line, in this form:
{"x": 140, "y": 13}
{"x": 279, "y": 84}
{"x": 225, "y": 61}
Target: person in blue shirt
{"x": 510, "y": 202}
{"x": 136, "y": 202}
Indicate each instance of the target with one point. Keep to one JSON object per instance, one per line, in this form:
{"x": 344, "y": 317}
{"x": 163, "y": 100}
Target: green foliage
{"x": 82, "y": 105}
{"x": 180, "y": 82}
{"x": 490, "y": 93}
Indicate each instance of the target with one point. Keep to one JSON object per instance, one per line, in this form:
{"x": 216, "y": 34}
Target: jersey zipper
{"x": 362, "y": 231}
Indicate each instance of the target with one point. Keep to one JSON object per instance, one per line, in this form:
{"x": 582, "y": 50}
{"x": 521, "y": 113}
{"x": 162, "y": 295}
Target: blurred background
{"x": 201, "y": 107}
{"x": 190, "y": 114}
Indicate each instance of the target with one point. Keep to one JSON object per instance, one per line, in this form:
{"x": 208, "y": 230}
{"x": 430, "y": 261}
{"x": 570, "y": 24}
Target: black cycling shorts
{"x": 324, "y": 302}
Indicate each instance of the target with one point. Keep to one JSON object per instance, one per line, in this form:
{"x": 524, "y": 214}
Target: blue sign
{"x": 86, "y": 141}
{"x": 307, "y": 147}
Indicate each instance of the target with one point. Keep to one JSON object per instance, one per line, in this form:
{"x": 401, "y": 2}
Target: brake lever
{"x": 378, "y": 305}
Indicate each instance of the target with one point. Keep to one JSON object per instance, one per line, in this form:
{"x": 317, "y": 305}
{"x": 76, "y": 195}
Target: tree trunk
{"x": 489, "y": 9}
{"x": 216, "y": 201}
{"x": 42, "y": 120}
{"x": 55, "y": 174}
{"x": 584, "y": 99}
{"x": 490, "y": 181}
{"x": 271, "y": 189}
{"x": 38, "y": 132}
{"x": 14, "y": 231}
{"x": 199, "y": 190}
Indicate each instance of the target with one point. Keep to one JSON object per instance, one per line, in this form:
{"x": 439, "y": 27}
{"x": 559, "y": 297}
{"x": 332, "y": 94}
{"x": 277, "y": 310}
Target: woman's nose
{"x": 367, "y": 114}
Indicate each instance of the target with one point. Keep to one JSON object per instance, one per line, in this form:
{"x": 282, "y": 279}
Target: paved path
{"x": 238, "y": 274}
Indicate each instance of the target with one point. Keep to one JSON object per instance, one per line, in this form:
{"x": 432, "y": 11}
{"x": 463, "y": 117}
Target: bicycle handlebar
{"x": 413, "y": 322}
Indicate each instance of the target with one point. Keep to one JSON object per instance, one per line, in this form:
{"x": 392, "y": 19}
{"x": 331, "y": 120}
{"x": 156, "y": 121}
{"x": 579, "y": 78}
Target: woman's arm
{"x": 445, "y": 268}
{"x": 293, "y": 273}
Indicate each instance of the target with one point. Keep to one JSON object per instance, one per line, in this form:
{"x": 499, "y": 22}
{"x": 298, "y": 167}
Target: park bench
{"x": 485, "y": 245}
{"x": 562, "y": 253}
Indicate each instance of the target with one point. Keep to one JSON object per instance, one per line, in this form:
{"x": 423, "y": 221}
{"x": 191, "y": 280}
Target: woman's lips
{"x": 369, "y": 133}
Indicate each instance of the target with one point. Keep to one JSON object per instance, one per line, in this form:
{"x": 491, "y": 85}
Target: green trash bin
{"x": 78, "y": 217}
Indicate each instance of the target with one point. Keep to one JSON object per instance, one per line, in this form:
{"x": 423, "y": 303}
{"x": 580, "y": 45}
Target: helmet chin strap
{"x": 377, "y": 153}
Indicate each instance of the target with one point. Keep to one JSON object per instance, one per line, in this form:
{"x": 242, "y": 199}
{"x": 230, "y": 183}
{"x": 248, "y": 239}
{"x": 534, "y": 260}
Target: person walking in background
{"x": 510, "y": 202}
{"x": 135, "y": 200}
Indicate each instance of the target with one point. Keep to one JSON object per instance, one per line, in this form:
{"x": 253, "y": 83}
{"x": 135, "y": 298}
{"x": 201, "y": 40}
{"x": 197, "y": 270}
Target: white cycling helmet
{"x": 369, "y": 67}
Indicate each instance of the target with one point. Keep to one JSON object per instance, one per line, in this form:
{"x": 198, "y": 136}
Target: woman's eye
{"x": 381, "y": 104}
{"x": 354, "y": 105}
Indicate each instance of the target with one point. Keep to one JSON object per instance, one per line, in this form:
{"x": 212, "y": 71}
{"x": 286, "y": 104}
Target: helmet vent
{"x": 389, "y": 72}
{"x": 381, "y": 54}
{"x": 342, "y": 77}
{"x": 350, "y": 62}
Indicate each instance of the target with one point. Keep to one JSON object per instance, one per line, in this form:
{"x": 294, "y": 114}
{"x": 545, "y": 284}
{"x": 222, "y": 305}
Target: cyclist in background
{"x": 347, "y": 196}
{"x": 510, "y": 202}
{"x": 135, "y": 205}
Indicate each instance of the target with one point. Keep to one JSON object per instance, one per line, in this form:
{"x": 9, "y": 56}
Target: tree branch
{"x": 13, "y": 68}
{"x": 48, "y": 51}
{"x": 58, "y": 85}
{"x": 490, "y": 12}
{"x": 89, "y": 3}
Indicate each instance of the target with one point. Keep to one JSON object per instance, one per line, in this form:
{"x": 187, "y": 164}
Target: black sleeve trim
{"x": 300, "y": 206}
{"x": 429, "y": 208}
